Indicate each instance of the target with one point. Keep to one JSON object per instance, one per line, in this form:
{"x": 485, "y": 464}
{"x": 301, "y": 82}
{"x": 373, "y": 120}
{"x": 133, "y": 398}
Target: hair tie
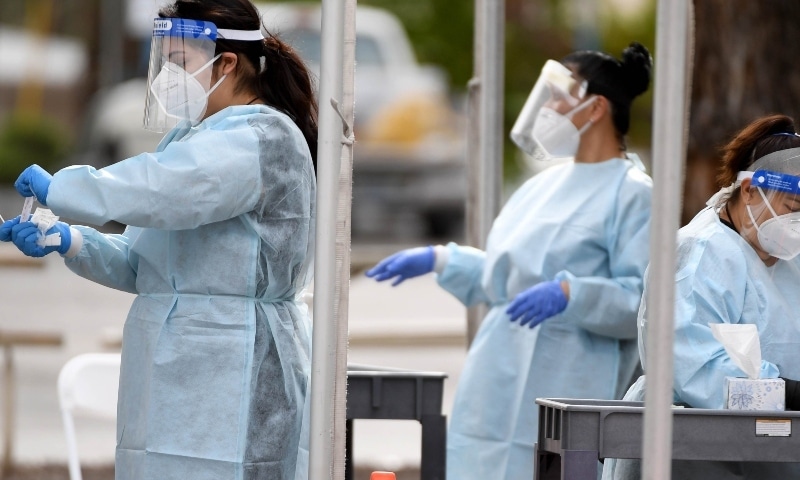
{"x": 788, "y": 134}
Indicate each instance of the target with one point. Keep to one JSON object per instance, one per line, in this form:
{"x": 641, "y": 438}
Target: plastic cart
{"x": 574, "y": 434}
{"x": 394, "y": 394}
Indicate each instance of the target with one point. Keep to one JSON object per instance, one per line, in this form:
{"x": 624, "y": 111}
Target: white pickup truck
{"x": 409, "y": 179}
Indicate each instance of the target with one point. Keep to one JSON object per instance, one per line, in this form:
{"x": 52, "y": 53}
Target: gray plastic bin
{"x": 574, "y": 434}
{"x": 395, "y": 394}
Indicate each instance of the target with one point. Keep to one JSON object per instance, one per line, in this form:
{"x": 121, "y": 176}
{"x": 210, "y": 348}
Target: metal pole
{"x": 586, "y": 34}
{"x": 474, "y": 233}
{"x": 342, "y": 296}
{"x": 111, "y": 33}
{"x": 329, "y": 148}
{"x": 669, "y": 152}
{"x": 485, "y": 138}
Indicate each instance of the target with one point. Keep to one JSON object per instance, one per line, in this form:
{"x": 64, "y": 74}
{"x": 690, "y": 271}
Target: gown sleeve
{"x": 609, "y": 306}
{"x": 212, "y": 176}
{"x": 105, "y": 259}
{"x": 463, "y": 273}
{"x": 710, "y": 288}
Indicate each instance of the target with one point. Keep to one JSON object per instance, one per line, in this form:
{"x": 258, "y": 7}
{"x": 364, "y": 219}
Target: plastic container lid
{"x": 382, "y": 476}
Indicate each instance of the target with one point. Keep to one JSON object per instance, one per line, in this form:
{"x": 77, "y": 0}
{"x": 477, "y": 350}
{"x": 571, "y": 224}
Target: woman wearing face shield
{"x": 737, "y": 264}
{"x": 562, "y": 271}
{"x": 218, "y": 249}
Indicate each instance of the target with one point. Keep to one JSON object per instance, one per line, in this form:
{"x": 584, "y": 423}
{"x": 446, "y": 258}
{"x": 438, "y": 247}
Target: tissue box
{"x": 755, "y": 394}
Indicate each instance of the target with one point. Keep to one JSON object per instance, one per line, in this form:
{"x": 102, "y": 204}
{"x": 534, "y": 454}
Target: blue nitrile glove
{"x": 5, "y": 229}
{"x": 538, "y": 303}
{"x": 25, "y": 234}
{"x": 34, "y": 181}
{"x": 404, "y": 264}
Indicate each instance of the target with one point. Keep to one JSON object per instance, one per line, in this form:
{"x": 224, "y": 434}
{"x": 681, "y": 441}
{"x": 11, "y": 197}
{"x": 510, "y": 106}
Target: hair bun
{"x": 637, "y": 66}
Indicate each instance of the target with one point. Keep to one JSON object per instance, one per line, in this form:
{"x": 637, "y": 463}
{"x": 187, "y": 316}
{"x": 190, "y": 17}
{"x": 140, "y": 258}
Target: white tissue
{"x": 742, "y": 344}
{"x": 44, "y": 219}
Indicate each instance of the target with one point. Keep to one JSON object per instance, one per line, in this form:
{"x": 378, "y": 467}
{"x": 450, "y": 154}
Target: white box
{"x": 755, "y": 394}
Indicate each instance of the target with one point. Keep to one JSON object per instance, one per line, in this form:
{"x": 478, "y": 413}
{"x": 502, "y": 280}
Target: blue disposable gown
{"x": 219, "y": 245}
{"x": 588, "y": 224}
{"x": 721, "y": 279}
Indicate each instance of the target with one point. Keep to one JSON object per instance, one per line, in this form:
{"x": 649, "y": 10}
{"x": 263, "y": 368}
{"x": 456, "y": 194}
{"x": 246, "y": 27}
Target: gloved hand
{"x": 5, "y": 229}
{"x": 404, "y": 264}
{"x": 25, "y": 234}
{"x": 538, "y": 303}
{"x": 34, "y": 181}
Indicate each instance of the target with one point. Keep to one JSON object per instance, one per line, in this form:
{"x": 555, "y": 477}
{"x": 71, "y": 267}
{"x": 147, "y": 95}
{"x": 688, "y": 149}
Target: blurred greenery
{"x": 27, "y": 138}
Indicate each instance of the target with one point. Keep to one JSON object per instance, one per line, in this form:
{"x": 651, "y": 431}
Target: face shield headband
{"x": 787, "y": 160}
{"x": 179, "y": 76}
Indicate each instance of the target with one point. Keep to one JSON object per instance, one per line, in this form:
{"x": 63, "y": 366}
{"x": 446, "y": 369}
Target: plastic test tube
{"x": 26, "y": 209}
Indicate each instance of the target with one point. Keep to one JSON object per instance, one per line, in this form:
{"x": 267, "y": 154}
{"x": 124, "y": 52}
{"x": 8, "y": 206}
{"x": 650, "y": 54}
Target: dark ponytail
{"x": 620, "y": 81}
{"x": 270, "y": 67}
{"x": 285, "y": 83}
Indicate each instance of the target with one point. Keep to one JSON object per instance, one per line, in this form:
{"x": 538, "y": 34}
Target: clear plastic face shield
{"x": 180, "y": 71}
{"x": 774, "y": 210}
{"x": 544, "y": 125}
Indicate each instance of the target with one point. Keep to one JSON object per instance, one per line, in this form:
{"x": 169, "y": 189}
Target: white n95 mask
{"x": 779, "y": 236}
{"x": 555, "y": 133}
{"x": 179, "y": 94}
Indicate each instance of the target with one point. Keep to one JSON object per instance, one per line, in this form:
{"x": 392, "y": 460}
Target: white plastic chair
{"x": 87, "y": 386}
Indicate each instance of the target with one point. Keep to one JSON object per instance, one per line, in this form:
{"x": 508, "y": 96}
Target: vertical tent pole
{"x": 343, "y": 217}
{"x": 485, "y": 135}
{"x": 669, "y": 151}
{"x": 329, "y": 151}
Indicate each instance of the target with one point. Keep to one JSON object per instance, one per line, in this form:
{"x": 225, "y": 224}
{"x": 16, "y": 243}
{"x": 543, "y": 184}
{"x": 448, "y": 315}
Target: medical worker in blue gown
{"x": 562, "y": 271}
{"x": 737, "y": 264}
{"x": 218, "y": 248}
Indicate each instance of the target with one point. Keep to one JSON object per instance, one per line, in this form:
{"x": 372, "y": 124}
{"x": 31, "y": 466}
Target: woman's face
{"x": 191, "y": 58}
{"x": 564, "y": 99}
{"x": 781, "y": 202}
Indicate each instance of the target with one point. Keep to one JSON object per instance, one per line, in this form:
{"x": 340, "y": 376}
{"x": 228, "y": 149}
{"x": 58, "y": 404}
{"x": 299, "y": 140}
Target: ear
{"x": 599, "y": 107}
{"x": 746, "y": 192}
{"x": 227, "y": 63}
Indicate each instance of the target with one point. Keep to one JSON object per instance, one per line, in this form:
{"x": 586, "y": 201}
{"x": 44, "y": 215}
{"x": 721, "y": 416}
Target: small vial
{"x": 26, "y": 209}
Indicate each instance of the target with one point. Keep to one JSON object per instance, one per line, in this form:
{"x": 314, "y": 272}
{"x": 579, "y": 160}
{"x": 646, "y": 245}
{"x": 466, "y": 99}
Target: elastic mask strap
{"x": 769, "y": 205}
{"x": 580, "y": 107}
{"x": 752, "y": 219}
{"x": 206, "y": 65}
{"x": 210, "y": 90}
{"x": 585, "y": 127}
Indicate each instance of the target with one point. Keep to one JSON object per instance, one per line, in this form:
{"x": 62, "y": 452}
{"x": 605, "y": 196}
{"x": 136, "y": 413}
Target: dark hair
{"x": 283, "y": 82}
{"x": 620, "y": 81}
{"x": 761, "y": 137}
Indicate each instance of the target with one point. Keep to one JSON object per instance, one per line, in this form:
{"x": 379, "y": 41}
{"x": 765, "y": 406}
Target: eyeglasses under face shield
{"x": 555, "y": 85}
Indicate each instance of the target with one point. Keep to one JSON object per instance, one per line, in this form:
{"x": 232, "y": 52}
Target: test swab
{"x": 2, "y": 219}
{"x": 26, "y": 209}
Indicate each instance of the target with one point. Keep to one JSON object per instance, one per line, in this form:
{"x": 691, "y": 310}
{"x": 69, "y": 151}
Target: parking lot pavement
{"x": 415, "y": 326}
